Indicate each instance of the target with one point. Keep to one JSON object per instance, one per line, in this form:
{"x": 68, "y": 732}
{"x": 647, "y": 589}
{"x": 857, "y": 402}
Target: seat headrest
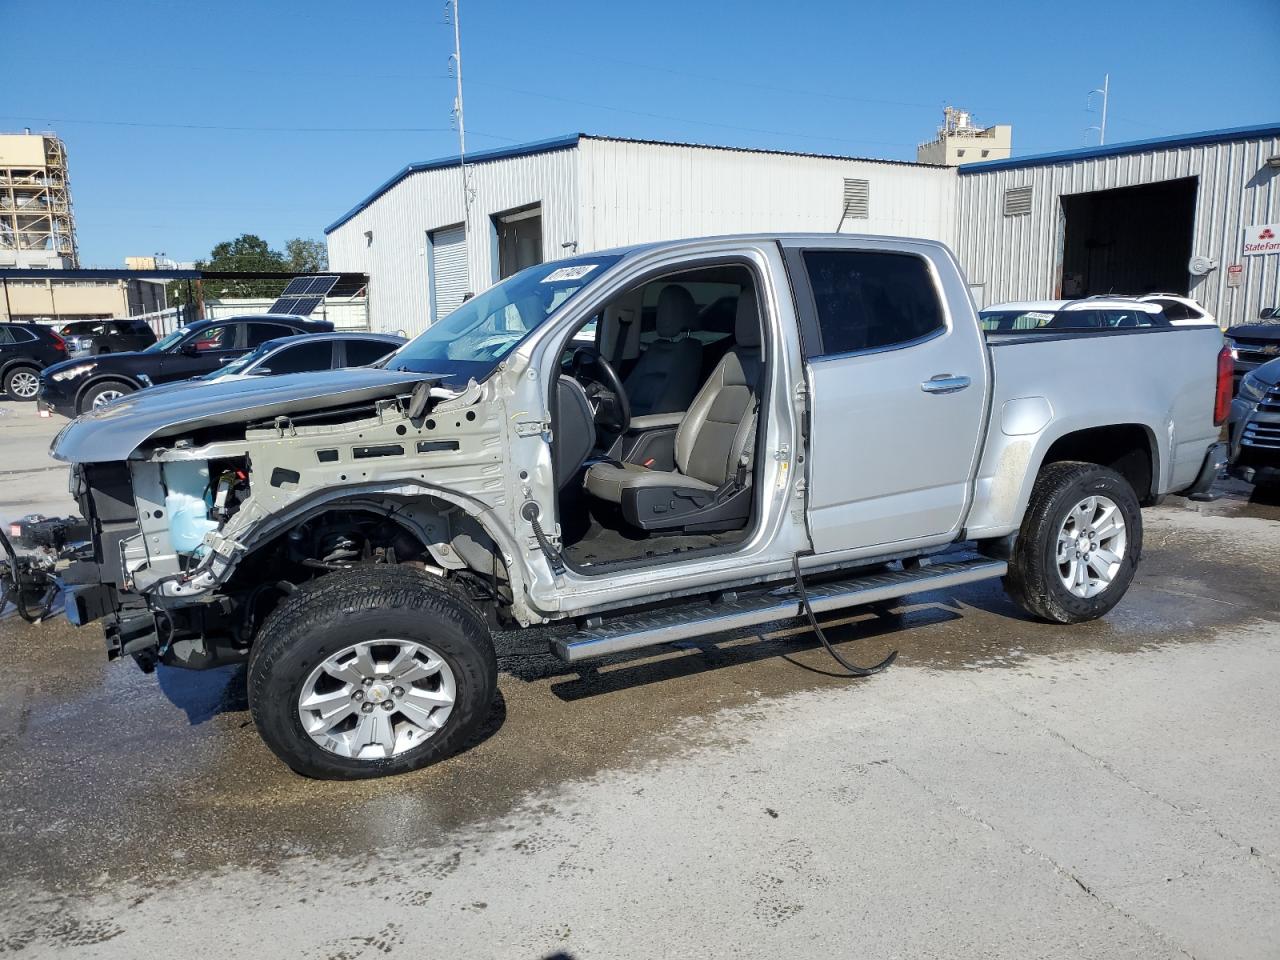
{"x": 746, "y": 329}
{"x": 677, "y": 312}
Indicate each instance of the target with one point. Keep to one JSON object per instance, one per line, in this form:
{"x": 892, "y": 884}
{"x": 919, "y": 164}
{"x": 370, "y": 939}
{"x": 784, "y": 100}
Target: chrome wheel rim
{"x": 105, "y": 397}
{"x": 24, "y": 384}
{"x": 1091, "y": 545}
{"x": 377, "y": 699}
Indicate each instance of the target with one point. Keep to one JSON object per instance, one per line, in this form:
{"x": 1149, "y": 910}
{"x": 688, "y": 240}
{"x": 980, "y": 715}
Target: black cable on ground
{"x": 853, "y": 668}
{"x": 15, "y": 586}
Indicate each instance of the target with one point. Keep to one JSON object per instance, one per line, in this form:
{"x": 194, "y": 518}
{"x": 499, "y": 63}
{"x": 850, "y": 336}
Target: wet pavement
{"x": 142, "y": 808}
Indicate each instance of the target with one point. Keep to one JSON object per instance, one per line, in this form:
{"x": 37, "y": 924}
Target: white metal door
{"x": 448, "y": 270}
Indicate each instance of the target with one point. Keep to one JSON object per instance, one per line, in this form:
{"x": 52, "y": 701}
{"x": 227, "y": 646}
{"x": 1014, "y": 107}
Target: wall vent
{"x": 857, "y": 199}
{"x": 1017, "y": 201}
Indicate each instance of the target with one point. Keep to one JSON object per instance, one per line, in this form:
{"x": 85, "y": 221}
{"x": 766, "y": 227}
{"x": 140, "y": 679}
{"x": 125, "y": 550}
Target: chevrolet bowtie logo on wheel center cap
{"x": 379, "y": 692}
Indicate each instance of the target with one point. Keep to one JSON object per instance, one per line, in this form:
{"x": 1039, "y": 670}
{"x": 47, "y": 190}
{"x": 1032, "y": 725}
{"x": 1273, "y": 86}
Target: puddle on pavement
{"x": 110, "y": 775}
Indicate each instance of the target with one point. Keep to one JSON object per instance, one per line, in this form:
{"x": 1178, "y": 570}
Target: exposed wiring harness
{"x": 853, "y": 668}
{"x": 21, "y": 576}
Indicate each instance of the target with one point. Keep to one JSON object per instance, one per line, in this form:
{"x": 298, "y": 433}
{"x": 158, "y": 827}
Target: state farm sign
{"x": 1263, "y": 238}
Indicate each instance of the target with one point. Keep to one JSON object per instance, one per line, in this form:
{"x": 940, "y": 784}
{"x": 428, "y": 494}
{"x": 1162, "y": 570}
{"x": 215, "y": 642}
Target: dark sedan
{"x": 74, "y": 386}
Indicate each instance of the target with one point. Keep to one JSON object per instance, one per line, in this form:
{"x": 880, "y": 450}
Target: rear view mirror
{"x": 188, "y": 349}
{"x": 1267, "y": 313}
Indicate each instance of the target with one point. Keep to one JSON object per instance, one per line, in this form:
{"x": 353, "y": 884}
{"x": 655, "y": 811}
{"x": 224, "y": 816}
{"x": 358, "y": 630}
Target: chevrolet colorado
{"x": 642, "y": 445}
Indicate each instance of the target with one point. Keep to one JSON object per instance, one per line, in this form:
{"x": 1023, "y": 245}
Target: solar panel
{"x": 309, "y": 286}
{"x": 320, "y": 286}
{"x": 303, "y": 294}
{"x": 299, "y": 306}
{"x": 297, "y": 286}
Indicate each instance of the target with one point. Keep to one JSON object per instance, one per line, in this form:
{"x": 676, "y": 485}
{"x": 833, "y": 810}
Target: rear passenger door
{"x": 897, "y": 393}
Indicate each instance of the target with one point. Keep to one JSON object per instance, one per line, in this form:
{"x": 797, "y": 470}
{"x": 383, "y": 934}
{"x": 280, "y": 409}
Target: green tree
{"x": 247, "y": 253}
{"x": 306, "y": 256}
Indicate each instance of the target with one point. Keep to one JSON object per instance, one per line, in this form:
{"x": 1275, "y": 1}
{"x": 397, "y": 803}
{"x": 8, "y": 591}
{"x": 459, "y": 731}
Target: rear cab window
{"x": 868, "y": 300}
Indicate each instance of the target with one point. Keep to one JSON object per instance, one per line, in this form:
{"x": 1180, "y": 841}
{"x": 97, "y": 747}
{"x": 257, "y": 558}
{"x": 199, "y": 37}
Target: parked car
{"x": 74, "y": 386}
{"x": 1179, "y": 310}
{"x": 1253, "y": 344}
{"x": 25, "y": 350}
{"x": 89, "y": 338}
{"x": 1255, "y": 426}
{"x": 300, "y": 354}
{"x": 1091, "y": 313}
{"x": 353, "y": 535}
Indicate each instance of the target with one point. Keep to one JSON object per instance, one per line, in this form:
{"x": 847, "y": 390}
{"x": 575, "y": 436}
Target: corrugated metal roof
{"x": 481, "y": 156}
{"x": 571, "y": 140}
{"x": 1129, "y": 146}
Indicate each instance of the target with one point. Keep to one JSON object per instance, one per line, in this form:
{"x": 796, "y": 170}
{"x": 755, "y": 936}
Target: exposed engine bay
{"x": 197, "y": 535}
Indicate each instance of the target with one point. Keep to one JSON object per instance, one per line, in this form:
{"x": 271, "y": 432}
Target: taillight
{"x": 1222, "y": 399}
{"x": 58, "y": 343}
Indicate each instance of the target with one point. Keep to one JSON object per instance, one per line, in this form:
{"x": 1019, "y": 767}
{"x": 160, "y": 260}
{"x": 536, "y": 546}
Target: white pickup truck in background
{"x": 648, "y": 444}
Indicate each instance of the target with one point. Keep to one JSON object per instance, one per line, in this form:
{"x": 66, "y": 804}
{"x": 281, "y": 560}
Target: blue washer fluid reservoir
{"x": 188, "y": 502}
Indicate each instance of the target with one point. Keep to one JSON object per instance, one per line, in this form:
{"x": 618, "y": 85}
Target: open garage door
{"x": 1131, "y": 240}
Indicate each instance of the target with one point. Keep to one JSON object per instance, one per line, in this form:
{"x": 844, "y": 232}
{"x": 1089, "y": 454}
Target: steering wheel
{"x": 605, "y": 393}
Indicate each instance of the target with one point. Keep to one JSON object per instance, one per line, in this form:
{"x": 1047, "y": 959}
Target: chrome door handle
{"x": 944, "y": 383}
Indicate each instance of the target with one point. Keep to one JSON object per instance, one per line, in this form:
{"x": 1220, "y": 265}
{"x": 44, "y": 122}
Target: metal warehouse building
{"x": 1172, "y": 215}
{"x": 1185, "y": 214}
{"x": 582, "y": 193}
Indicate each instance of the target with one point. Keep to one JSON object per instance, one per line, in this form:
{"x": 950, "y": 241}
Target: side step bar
{"x": 701, "y": 618}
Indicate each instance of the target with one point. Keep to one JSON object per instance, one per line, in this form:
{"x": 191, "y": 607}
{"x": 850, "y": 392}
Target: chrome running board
{"x": 739, "y": 611}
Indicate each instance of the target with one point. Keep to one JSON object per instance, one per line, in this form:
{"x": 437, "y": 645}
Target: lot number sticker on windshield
{"x": 569, "y": 273}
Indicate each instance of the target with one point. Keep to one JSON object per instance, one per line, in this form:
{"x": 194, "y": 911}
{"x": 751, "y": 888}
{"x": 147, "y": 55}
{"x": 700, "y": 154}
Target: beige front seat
{"x": 716, "y": 437}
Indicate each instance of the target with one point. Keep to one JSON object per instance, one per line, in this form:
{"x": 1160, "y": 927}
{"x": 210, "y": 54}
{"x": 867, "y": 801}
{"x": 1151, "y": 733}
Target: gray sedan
{"x": 302, "y": 354}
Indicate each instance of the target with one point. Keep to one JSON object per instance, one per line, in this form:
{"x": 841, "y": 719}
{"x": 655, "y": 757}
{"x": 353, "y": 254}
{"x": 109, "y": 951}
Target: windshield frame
{"x": 168, "y": 341}
{"x": 476, "y": 323}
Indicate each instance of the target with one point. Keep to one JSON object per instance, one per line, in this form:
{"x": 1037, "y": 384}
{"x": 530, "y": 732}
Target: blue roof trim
{"x": 1129, "y": 146}
{"x": 482, "y": 156}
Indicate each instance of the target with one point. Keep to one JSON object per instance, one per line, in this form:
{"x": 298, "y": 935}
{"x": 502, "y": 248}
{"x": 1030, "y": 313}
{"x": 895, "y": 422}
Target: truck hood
{"x": 113, "y": 432}
{"x": 1268, "y": 373}
{"x": 1258, "y": 331}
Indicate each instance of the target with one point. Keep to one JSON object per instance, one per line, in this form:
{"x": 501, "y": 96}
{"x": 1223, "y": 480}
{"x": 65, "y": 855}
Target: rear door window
{"x": 260, "y": 333}
{"x": 867, "y": 300}
{"x": 361, "y": 353}
{"x": 302, "y": 358}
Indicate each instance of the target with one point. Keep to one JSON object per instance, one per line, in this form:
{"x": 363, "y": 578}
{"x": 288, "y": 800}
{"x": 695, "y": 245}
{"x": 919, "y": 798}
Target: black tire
{"x": 1033, "y": 581}
{"x": 19, "y": 373}
{"x": 368, "y": 603}
{"x": 92, "y": 394}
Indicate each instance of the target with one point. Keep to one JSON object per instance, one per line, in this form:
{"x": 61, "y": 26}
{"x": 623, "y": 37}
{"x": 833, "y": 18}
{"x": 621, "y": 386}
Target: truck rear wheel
{"x": 1078, "y": 548}
{"x": 371, "y": 672}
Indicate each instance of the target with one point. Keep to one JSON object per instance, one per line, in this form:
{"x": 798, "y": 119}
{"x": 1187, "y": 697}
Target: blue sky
{"x": 137, "y": 87}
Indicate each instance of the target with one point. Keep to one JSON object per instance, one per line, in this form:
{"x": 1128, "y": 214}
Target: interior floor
{"x": 599, "y": 544}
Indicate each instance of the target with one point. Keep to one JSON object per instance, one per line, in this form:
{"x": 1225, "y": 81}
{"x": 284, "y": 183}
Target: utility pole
{"x": 1105, "y": 91}
{"x": 455, "y": 67}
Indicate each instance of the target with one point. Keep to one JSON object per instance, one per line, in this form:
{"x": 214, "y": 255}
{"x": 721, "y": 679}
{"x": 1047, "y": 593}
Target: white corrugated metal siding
{"x": 395, "y": 255}
{"x": 1017, "y": 257}
{"x": 448, "y": 269}
{"x": 635, "y": 192}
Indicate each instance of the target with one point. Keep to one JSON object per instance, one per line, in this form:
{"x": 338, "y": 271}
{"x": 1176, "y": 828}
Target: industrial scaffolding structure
{"x": 37, "y": 227}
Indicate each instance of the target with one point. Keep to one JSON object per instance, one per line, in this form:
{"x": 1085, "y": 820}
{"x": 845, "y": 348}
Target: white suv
{"x": 1179, "y": 310}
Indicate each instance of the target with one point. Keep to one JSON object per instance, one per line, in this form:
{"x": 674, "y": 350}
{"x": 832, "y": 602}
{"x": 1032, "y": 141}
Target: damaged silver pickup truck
{"x": 643, "y": 445}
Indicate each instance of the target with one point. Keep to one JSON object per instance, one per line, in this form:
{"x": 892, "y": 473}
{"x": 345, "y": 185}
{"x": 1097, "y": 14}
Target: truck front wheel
{"x": 1079, "y": 544}
{"x": 371, "y": 672}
